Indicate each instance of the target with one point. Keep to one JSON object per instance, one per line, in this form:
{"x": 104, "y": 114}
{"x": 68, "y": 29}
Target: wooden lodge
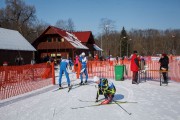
{"x": 55, "y": 43}
{"x": 14, "y": 48}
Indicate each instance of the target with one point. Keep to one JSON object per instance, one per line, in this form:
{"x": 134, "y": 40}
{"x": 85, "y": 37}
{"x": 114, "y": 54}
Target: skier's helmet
{"x": 83, "y": 54}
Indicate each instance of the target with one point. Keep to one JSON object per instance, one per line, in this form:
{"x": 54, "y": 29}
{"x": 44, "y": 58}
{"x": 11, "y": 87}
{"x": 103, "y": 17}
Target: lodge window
{"x": 58, "y": 55}
{"x": 54, "y": 39}
{"x": 58, "y": 39}
{"x": 49, "y": 39}
{"x": 53, "y": 55}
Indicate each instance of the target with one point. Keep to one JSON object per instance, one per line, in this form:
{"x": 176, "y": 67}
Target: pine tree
{"x": 123, "y": 42}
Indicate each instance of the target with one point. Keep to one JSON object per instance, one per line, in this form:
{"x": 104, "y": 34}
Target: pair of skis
{"x": 71, "y": 87}
{"x": 116, "y": 102}
{"x": 77, "y": 85}
{"x": 99, "y": 104}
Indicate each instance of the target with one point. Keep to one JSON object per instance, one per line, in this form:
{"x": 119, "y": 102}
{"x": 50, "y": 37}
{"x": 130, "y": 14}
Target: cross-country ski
{"x": 115, "y": 102}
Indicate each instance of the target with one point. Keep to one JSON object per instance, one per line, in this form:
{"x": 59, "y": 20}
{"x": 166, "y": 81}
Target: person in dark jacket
{"x": 135, "y": 67}
{"x": 164, "y": 61}
{"x": 70, "y": 63}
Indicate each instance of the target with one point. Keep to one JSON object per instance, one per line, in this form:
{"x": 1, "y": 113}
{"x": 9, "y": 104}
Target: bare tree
{"x": 61, "y": 24}
{"x": 152, "y": 42}
{"x": 65, "y": 24}
{"x": 36, "y": 30}
{"x": 107, "y": 27}
{"x": 18, "y": 16}
{"x": 70, "y": 25}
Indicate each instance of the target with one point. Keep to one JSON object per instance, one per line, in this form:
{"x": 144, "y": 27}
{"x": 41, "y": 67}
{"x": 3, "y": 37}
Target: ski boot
{"x": 60, "y": 87}
{"x": 106, "y": 101}
{"x": 134, "y": 82}
{"x": 85, "y": 83}
{"x": 69, "y": 86}
{"x": 81, "y": 83}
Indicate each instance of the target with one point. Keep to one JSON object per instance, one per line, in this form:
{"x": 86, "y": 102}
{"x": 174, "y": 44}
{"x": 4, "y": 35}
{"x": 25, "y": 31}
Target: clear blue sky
{"x": 86, "y": 14}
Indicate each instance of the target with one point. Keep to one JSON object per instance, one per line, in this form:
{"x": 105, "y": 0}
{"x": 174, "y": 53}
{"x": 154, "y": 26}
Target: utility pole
{"x": 121, "y": 45}
{"x": 128, "y": 47}
{"x": 173, "y": 51}
{"x": 107, "y": 33}
{"x": 101, "y": 44}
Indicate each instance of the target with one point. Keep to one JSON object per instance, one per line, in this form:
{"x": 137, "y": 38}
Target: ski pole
{"x": 122, "y": 107}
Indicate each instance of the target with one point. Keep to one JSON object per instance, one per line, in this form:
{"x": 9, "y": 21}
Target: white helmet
{"x": 83, "y": 54}
{"x": 95, "y": 79}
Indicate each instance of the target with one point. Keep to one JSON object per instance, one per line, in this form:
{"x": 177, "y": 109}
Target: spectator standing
{"x": 70, "y": 63}
{"x": 117, "y": 59}
{"x": 164, "y": 61}
{"x": 96, "y": 57}
{"x": 76, "y": 60}
{"x": 134, "y": 67}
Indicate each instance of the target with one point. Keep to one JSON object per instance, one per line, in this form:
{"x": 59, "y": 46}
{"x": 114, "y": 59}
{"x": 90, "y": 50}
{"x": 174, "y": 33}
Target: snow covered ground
{"x": 154, "y": 102}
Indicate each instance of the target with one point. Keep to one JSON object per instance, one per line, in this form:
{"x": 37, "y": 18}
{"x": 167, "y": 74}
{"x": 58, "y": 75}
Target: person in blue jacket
{"x": 105, "y": 88}
{"x": 70, "y": 63}
{"x": 63, "y": 69}
{"x": 83, "y": 61}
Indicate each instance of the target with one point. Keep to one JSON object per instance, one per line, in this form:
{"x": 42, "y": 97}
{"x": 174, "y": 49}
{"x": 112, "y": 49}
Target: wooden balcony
{"x": 54, "y": 45}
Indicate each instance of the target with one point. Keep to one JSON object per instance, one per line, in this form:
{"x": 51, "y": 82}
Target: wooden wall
{"x": 10, "y": 56}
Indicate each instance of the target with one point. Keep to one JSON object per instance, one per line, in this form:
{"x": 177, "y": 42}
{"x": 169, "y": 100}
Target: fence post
{"x": 53, "y": 73}
{"x": 33, "y": 71}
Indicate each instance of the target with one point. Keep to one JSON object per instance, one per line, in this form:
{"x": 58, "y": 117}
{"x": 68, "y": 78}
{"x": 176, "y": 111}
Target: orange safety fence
{"x": 173, "y": 71}
{"x": 101, "y": 69}
{"x": 15, "y": 80}
{"x": 106, "y": 69}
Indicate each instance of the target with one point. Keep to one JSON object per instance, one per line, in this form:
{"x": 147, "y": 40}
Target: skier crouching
{"x": 105, "y": 88}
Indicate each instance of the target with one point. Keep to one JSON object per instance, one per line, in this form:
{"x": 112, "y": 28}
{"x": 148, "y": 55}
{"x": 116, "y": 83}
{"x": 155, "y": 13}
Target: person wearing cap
{"x": 105, "y": 88}
{"x": 76, "y": 66}
{"x": 83, "y": 61}
{"x": 63, "y": 69}
{"x": 134, "y": 67}
{"x": 164, "y": 61}
{"x": 96, "y": 57}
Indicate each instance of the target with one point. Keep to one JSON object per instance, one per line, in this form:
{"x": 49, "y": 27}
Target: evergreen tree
{"x": 123, "y": 42}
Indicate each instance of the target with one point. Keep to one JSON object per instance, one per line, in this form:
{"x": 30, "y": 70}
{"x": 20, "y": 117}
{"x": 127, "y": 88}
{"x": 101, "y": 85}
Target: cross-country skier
{"x": 83, "y": 61}
{"x": 105, "y": 88}
{"x": 63, "y": 69}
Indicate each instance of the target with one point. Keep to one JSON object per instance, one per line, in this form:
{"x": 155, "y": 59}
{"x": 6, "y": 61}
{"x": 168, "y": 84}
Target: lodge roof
{"x": 13, "y": 40}
{"x": 69, "y": 36}
{"x": 73, "y": 40}
{"x": 83, "y": 36}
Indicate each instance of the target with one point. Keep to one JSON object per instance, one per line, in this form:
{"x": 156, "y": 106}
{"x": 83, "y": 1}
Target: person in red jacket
{"x": 134, "y": 67}
{"x": 96, "y": 57}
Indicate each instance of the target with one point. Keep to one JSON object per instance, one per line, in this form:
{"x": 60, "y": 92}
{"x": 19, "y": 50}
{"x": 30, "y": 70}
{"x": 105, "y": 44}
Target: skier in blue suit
{"x": 83, "y": 61}
{"x": 63, "y": 69}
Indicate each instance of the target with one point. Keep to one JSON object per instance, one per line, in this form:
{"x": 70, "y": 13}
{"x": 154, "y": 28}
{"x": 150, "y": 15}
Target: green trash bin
{"x": 119, "y": 72}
